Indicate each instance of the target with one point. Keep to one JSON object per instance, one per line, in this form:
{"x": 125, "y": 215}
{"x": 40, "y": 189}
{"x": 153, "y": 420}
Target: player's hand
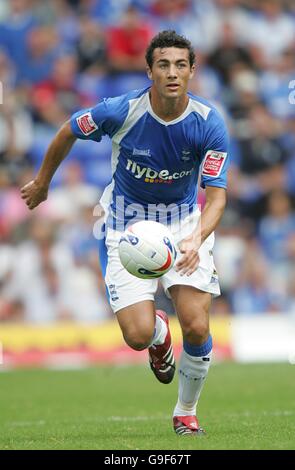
{"x": 189, "y": 262}
{"x": 33, "y": 194}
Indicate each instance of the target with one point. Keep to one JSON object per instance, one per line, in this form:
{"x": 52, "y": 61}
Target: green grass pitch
{"x": 125, "y": 408}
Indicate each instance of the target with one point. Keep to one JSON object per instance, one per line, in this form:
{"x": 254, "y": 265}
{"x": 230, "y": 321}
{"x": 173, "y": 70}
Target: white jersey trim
{"x": 200, "y": 108}
{"x": 193, "y": 106}
{"x": 137, "y": 108}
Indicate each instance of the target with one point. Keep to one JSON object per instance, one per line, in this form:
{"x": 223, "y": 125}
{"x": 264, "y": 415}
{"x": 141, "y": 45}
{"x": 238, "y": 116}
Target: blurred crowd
{"x": 58, "y": 56}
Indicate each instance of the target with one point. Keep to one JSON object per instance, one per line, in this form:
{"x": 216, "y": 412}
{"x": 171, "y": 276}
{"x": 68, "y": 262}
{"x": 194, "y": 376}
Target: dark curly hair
{"x": 169, "y": 39}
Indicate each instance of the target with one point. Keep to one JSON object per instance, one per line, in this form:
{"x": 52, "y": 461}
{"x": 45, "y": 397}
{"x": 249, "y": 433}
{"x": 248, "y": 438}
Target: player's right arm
{"x": 36, "y": 191}
{"x": 88, "y": 124}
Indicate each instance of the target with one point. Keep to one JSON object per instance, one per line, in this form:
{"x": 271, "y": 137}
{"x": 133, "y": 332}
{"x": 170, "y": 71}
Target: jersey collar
{"x": 180, "y": 118}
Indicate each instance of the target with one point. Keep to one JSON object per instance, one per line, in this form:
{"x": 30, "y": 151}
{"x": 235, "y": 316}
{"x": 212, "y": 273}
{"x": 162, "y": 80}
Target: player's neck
{"x": 168, "y": 109}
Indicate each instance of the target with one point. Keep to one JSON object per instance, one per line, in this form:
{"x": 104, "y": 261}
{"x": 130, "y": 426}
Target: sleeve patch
{"x": 213, "y": 163}
{"x": 86, "y": 124}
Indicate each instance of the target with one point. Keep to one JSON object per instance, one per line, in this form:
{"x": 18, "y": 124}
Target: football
{"x": 147, "y": 249}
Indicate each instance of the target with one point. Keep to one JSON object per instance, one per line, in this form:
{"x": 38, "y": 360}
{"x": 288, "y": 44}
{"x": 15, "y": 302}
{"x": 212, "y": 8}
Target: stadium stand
{"x": 59, "y": 56}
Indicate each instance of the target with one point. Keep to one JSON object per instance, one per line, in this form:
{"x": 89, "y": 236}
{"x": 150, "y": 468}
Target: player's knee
{"x": 138, "y": 340}
{"x": 196, "y": 332}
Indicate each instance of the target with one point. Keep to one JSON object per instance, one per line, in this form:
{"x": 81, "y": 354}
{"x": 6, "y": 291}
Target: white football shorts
{"x": 125, "y": 289}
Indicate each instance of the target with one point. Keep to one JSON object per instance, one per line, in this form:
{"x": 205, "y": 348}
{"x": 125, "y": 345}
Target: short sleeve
{"x": 215, "y": 158}
{"x": 105, "y": 118}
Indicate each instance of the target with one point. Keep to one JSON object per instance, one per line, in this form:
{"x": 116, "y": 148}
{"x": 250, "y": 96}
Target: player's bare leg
{"x": 142, "y": 328}
{"x": 192, "y": 307}
{"x": 137, "y": 323}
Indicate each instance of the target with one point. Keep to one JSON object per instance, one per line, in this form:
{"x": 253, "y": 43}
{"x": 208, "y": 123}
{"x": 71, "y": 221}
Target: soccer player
{"x": 163, "y": 138}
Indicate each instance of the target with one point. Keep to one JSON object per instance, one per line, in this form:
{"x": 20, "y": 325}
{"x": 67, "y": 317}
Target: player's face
{"x": 171, "y": 71}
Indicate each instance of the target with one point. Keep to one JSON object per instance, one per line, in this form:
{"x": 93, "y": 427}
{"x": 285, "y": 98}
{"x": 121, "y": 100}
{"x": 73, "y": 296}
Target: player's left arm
{"x": 209, "y": 220}
{"x": 214, "y": 166}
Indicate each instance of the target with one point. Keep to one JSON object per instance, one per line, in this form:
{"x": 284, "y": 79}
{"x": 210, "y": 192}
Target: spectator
{"x": 180, "y": 16}
{"x": 230, "y": 249}
{"x": 14, "y": 33}
{"x": 91, "y": 48}
{"x": 228, "y": 53}
{"x": 261, "y": 149}
{"x": 67, "y": 201}
{"x": 107, "y": 12}
{"x": 273, "y": 23}
{"x": 56, "y": 98}
{"x": 42, "y": 43}
{"x": 274, "y": 84}
{"x": 277, "y": 227}
{"x": 276, "y": 236}
{"x": 127, "y": 43}
{"x": 7, "y": 71}
{"x": 252, "y": 293}
{"x": 16, "y": 136}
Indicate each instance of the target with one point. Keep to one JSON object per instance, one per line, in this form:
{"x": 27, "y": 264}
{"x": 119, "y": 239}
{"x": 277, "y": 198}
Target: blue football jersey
{"x": 156, "y": 164}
